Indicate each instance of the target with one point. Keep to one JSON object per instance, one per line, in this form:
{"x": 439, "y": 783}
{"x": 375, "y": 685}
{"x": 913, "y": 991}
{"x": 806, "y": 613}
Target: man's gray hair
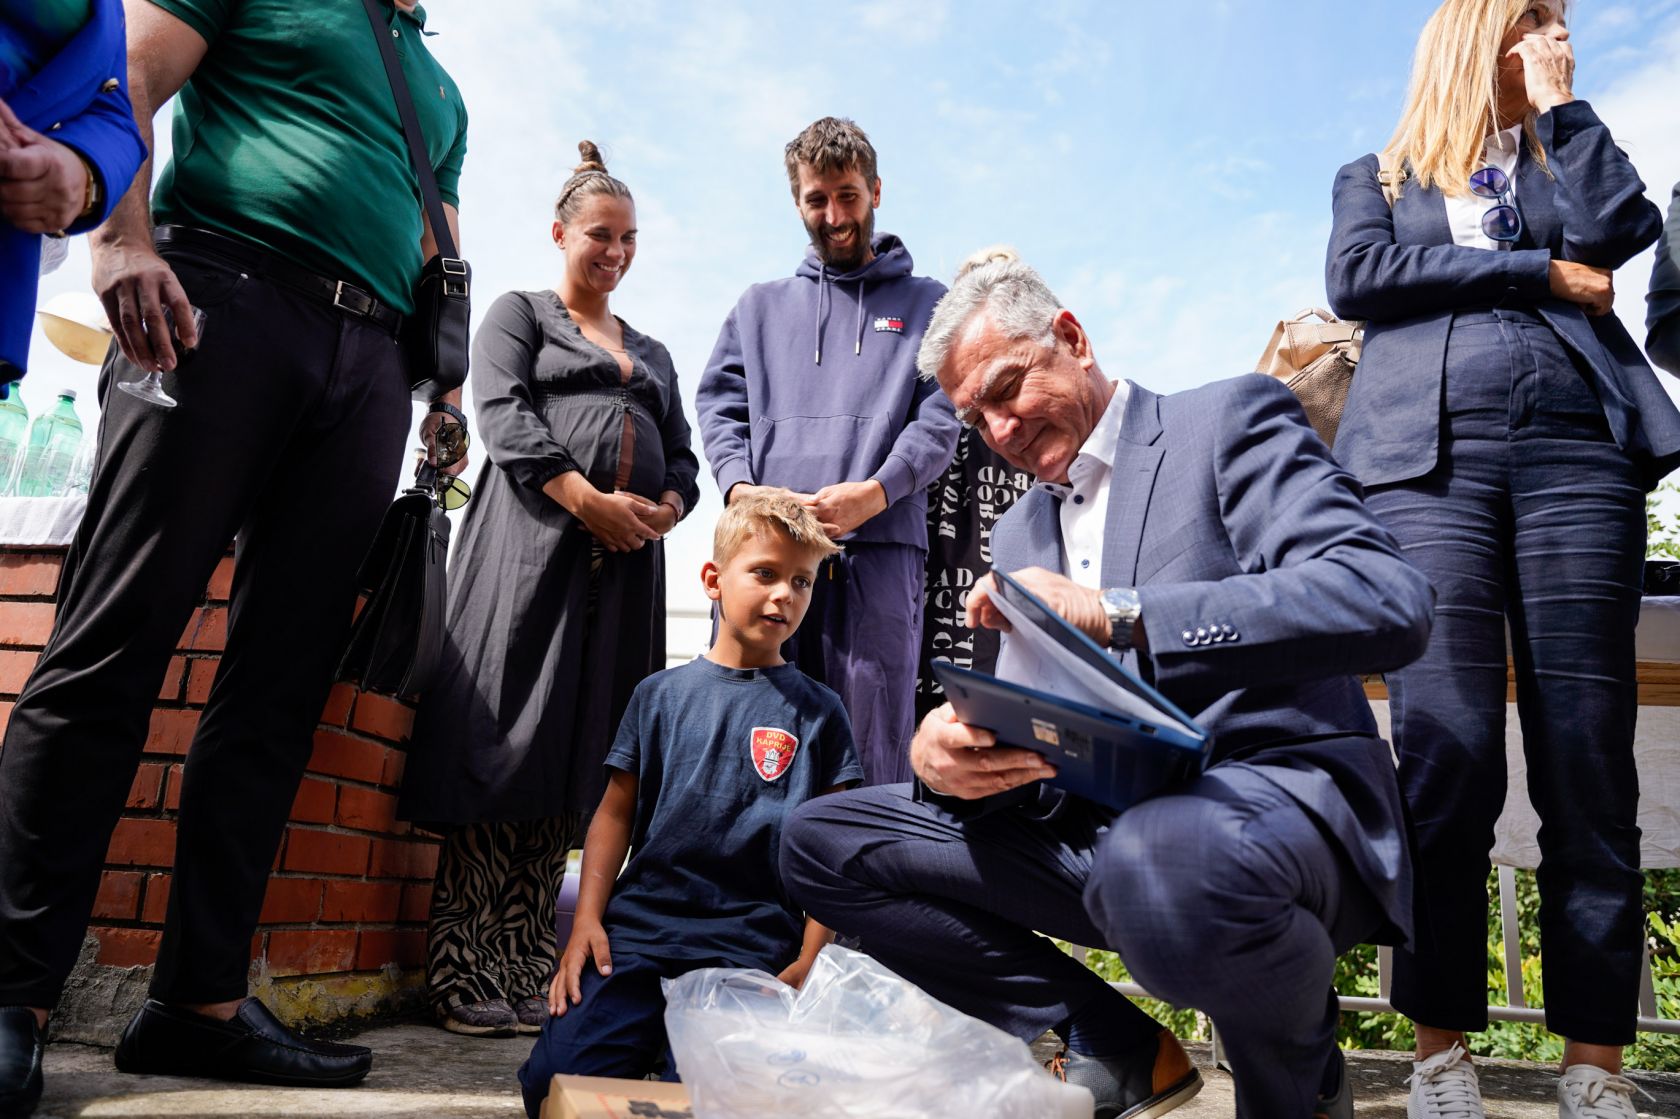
{"x": 1020, "y": 303}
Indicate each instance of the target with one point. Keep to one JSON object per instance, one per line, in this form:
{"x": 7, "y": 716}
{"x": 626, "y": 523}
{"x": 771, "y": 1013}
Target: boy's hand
{"x": 587, "y": 942}
{"x": 794, "y": 974}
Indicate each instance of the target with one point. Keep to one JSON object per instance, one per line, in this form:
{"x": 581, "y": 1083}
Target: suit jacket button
{"x": 1235, "y": 636}
{"x": 108, "y": 85}
{"x": 1201, "y": 635}
{"x": 1189, "y": 638}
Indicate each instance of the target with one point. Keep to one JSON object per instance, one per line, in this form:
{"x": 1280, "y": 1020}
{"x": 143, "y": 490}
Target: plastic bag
{"x": 856, "y": 1041}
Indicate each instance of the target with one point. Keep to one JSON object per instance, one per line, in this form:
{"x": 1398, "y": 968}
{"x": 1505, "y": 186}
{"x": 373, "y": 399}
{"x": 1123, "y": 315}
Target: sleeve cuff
{"x": 896, "y": 478}
{"x": 1557, "y": 125}
{"x": 732, "y": 473}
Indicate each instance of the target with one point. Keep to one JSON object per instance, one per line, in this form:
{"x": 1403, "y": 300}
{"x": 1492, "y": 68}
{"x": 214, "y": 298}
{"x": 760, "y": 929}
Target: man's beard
{"x": 849, "y": 258}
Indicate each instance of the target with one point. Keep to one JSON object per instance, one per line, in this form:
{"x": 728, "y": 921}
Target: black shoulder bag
{"x": 397, "y": 639}
{"x": 434, "y": 337}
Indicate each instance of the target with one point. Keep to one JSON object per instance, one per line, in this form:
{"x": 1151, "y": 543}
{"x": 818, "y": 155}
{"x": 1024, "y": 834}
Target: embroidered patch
{"x": 889, "y": 323}
{"x": 772, "y": 751}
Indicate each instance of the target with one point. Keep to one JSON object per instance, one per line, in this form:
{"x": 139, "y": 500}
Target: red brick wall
{"x": 351, "y": 884}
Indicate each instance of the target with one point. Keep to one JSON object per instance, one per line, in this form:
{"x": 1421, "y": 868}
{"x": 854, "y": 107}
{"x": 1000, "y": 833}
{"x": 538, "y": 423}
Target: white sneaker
{"x": 1586, "y": 1092}
{"x": 1444, "y": 1087}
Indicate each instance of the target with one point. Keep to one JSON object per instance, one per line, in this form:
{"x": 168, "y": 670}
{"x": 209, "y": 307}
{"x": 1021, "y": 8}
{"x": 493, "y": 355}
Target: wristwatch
{"x": 94, "y": 197}
{"x": 1123, "y": 608}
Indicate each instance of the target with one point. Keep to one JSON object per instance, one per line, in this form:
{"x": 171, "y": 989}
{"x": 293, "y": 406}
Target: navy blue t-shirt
{"x": 721, "y": 756}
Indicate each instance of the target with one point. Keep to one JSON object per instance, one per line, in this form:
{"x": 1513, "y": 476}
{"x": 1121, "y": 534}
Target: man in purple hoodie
{"x": 813, "y": 386}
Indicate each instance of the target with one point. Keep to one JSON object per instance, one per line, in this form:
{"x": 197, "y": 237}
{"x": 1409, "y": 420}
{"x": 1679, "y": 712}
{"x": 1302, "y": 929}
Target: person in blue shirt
{"x": 710, "y": 759}
{"x": 68, "y": 143}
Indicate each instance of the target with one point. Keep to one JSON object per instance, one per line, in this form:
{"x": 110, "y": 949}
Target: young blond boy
{"x": 709, "y": 760}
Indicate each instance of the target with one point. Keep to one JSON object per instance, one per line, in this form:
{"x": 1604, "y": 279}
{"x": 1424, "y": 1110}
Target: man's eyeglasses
{"x": 1501, "y": 223}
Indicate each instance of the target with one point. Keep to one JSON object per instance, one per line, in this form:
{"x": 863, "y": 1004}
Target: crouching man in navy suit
{"x": 1210, "y": 540}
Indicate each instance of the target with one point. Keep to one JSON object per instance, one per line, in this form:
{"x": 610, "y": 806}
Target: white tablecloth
{"x": 40, "y": 521}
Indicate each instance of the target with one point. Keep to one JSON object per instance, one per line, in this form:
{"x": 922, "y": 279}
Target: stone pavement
{"x": 421, "y": 1072}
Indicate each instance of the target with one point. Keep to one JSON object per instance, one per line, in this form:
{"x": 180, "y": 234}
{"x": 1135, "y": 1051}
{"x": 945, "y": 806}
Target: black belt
{"x": 347, "y": 297}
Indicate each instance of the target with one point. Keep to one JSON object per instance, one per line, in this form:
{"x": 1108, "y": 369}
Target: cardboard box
{"x": 599, "y": 1097}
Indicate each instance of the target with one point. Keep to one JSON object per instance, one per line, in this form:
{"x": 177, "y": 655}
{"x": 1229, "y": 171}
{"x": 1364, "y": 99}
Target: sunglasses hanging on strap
{"x": 434, "y": 336}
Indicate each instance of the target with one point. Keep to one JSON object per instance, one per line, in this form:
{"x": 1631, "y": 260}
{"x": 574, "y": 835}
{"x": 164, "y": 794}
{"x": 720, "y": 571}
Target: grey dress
{"x": 548, "y": 633}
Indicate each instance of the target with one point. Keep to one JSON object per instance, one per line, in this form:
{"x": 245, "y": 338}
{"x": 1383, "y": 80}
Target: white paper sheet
{"x": 1034, "y": 659}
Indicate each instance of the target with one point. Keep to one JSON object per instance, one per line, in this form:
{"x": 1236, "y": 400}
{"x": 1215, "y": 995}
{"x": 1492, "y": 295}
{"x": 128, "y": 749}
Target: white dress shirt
{"x": 1464, "y": 212}
{"x": 1084, "y": 499}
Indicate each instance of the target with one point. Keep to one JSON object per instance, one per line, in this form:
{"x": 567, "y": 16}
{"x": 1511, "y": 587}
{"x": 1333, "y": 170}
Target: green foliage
{"x": 1356, "y": 974}
{"x": 1662, "y": 534}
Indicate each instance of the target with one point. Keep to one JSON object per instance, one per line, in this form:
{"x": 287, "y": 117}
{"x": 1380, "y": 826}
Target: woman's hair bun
{"x": 991, "y": 254}
{"x": 592, "y": 159}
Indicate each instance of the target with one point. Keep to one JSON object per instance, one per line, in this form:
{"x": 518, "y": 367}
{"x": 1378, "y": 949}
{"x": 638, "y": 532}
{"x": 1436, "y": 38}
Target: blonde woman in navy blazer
{"x": 1507, "y": 428}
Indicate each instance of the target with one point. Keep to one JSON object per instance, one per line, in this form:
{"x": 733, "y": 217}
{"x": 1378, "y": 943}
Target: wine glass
{"x": 150, "y": 387}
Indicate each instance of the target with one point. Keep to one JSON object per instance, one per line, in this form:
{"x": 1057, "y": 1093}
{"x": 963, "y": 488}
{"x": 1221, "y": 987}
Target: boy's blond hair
{"x": 764, "y": 512}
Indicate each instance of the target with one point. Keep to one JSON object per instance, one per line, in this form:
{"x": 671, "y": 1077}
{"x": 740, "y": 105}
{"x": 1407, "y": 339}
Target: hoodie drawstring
{"x": 822, "y": 284}
{"x": 858, "y": 349}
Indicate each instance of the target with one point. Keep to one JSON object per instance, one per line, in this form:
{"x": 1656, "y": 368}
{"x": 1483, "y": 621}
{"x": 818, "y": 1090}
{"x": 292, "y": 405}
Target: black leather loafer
{"x": 1147, "y": 1082}
{"x": 253, "y": 1047}
{"x": 21, "y": 1043}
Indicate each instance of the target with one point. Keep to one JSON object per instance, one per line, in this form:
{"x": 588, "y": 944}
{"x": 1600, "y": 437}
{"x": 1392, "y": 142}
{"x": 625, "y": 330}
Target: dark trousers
{"x": 1224, "y": 896}
{"x": 1535, "y": 516}
{"x": 290, "y": 433}
{"x": 862, "y": 636}
{"x": 617, "y": 1030}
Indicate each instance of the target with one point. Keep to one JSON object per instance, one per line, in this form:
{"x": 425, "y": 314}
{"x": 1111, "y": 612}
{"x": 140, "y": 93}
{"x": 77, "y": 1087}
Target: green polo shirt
{"x": 287, "y": 136}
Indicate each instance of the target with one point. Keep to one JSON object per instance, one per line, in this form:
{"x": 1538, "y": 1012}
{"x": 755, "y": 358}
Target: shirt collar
{"x": 1503, "y": 142}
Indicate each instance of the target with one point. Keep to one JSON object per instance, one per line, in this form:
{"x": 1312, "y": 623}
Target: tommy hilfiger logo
{"x": 890, "y": 323}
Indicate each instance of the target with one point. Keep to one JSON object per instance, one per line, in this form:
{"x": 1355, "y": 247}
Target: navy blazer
{"x": 1226, "y": 510}
{"x": 80, "y": 99}
{"x": 1662, "y": 304}
{"x": 1402, "y": 273}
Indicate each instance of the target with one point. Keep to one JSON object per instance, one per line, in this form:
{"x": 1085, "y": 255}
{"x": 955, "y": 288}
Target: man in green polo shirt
{"x": 288, "y": 239}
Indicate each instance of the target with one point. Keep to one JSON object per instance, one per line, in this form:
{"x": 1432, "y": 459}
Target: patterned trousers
{"x": 491, "y": 932}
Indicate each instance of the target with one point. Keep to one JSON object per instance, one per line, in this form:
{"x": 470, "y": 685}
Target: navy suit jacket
{"x": 1226, "y": 510}
{"x": 1402, "y": 273}
{"x": 1662, "y": 306}
{"x": 80, "y": 99}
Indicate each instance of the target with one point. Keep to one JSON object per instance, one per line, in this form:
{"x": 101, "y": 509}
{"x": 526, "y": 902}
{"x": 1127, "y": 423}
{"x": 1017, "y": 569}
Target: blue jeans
{"x": 1535, "y": 516}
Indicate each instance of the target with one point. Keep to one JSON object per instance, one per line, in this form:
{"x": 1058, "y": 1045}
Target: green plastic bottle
{"x": 14, "y": 432}
{"x": 54, "y": 438}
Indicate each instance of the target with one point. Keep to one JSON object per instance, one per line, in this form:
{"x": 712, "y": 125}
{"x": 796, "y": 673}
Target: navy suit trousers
{"x": 1535, "y": 516}
{"x": 1224, "y": 895}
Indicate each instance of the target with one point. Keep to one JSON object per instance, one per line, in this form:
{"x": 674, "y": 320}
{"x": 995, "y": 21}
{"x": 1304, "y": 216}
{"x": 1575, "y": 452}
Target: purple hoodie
{"x": 813, "y": 381}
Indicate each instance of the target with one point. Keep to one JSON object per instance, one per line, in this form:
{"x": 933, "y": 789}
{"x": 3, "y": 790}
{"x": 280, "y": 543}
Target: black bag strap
{"x": 411, "y": 129}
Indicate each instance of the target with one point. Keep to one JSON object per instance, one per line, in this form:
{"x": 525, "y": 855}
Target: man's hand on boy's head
{"x": 844, "y": 506}
{"x": 588, "y": 941}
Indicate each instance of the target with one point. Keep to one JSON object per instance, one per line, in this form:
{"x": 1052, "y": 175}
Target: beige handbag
{"x": 1315, "y": 353}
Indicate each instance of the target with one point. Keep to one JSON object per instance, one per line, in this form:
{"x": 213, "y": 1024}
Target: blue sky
{"x": 1166, "y": 166}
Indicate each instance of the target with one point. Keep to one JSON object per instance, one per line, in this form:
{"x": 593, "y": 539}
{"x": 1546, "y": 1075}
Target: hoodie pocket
{"x": 806, "y": 453}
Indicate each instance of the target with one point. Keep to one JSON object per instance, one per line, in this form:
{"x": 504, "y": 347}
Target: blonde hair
{"x": 763, "y": 514}
{"x": 1453, "y": 101}
{"x": 979, "y": 258}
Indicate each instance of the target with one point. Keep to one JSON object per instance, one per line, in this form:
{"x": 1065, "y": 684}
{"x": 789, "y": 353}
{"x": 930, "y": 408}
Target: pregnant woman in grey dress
{"x": 556, "y": 612}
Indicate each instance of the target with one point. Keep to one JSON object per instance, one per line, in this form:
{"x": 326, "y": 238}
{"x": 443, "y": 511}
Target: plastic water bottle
{"x": 14, "y": 431}
{"x": 54, "y": 438}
